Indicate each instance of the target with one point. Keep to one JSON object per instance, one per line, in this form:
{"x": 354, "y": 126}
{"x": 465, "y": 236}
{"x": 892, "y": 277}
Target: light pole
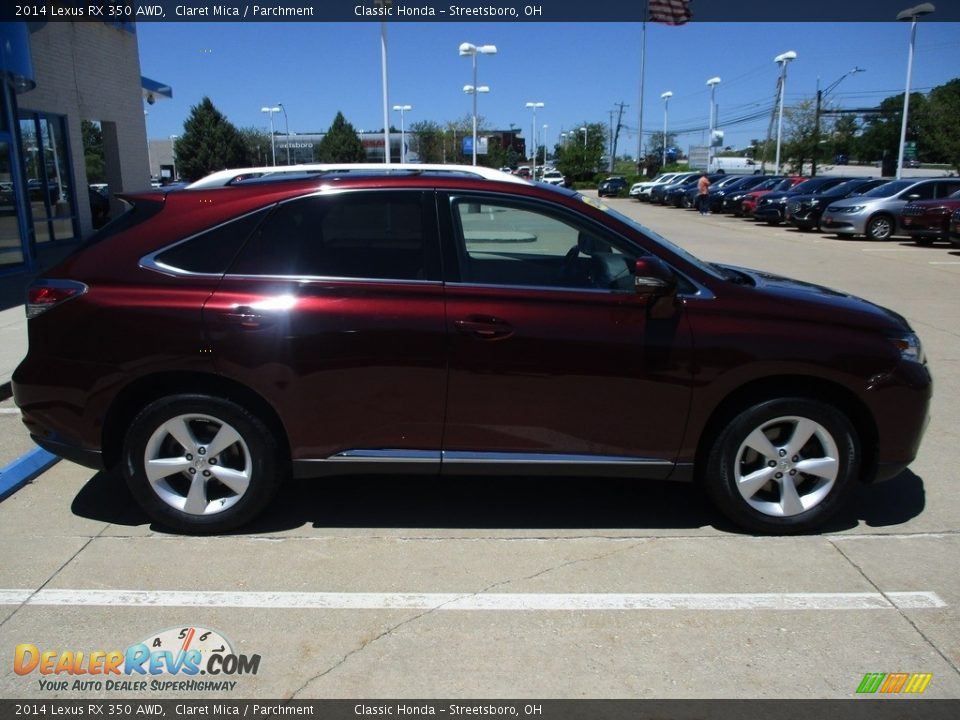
{"x": 533, "y": 137}
{"x": 403, "y": 141}
{"x": 666, "y": 100}
{"x": 384, "y": 6}
{"x": 910, "y": 14}
{"x": 173, "y": 154}
{"x": 468, "y": 49}
{"x": 286, "y": 124}
{"x": 816, "y": 115}
{"x": 712, "y": 84}
{"x": 273, "y": 143}
{"x": 584, "y": 131}
{"x": 544, "y": 136}
{"x": 782, "y": 61}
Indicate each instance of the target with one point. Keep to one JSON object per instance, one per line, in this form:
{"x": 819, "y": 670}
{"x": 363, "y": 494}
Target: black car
{"x": 613, "y": 185}
{"x": 732, "y": 201}
{"x": 741, "y": 183}
{"x": 804, "y": 211}
{"x": 659, "y": 192}
{"x": 718, "y": 181}
{"x": 772, "y": 207}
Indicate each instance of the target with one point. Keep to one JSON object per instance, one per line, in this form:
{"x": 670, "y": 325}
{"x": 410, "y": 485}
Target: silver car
{"x": 875, "y": 213}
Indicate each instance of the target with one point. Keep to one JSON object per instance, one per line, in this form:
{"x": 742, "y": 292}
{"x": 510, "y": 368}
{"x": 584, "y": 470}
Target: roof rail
{"x": 222, "y": 178}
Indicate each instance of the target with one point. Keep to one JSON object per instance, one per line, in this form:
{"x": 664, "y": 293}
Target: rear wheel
{"x": 200, "y": 464}
{"x": 783, "y": 466}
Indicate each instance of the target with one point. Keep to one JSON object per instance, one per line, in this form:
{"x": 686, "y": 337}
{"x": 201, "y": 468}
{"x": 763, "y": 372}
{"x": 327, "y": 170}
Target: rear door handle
{"x": 484, "y": 327}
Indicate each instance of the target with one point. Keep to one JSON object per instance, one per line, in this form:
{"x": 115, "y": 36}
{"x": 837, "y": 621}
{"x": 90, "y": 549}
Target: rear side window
{"x": 364, "y": 235}
{"x": 137, "y": 212}
{"x": 211, "y": 252}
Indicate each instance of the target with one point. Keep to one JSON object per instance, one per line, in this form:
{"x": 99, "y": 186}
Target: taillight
{"x": 45, "y": 294}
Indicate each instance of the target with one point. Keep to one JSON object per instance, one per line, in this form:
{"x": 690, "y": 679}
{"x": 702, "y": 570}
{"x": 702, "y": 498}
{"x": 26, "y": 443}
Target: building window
{"x": 49, "y": 174}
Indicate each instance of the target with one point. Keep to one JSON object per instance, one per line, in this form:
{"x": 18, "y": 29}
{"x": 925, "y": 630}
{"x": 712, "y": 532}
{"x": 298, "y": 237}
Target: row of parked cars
{"x": 926, "y": 209}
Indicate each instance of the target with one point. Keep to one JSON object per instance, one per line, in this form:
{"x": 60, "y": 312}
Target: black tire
{"x": 207, "y": 440}
{"x": 880, "y": 227}
{"x": 747, "y": 489}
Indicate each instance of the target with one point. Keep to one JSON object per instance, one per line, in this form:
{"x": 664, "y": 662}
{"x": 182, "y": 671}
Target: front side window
{"x": 363, "y": 235}
{"x": 514, "y": 244}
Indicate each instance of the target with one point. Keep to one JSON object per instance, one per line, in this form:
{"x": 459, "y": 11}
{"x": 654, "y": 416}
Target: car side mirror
{"x": 652, "y": 276}
{"x": 913, "y": 196}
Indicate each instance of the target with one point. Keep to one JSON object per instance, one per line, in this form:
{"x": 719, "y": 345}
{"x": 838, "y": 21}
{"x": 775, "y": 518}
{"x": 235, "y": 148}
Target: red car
{"x": 749, "y": 202}
{"x": 212, "y": 342}
{"x": 929, "y": 220}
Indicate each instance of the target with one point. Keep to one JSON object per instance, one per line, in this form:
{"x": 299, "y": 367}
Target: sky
{"x": 580, "y": 71}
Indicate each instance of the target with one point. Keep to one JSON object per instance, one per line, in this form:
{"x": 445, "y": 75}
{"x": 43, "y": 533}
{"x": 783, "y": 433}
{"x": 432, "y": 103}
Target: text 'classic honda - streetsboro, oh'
{"x": 456, "y": 321}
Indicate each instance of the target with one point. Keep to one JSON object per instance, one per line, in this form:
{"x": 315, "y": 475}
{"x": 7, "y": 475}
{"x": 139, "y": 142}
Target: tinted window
{"x": 921, "y": 192}
{"x": 889, "y": 189}
{"x": 213, "y": 250}
{"x": 946, "y": 188}
{"x": 375, "y": 235}
{"x": 503, "y": 243}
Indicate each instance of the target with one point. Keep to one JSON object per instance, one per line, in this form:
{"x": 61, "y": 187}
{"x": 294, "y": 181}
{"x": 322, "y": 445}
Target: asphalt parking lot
{"x": 371, "y": 587}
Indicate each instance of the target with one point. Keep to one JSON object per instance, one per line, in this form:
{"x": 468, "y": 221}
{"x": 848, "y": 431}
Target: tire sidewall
{"x": 260, "y": 442}
{"x": 870, "y": 222}
{"x": 721, "y": 471}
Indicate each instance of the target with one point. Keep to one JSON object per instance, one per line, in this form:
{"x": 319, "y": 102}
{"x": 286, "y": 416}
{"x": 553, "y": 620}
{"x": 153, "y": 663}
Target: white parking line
{"x": 913, "y": 250}
{"x": 945, "y": 262}
{"x": 474, "y": 601}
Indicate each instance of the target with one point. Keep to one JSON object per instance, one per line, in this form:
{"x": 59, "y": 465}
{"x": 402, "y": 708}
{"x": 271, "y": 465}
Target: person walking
{"x": 703, "y": 187}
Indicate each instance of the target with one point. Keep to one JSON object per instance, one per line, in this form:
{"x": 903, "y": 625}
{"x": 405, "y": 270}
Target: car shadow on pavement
{"x": 499, "y": 503}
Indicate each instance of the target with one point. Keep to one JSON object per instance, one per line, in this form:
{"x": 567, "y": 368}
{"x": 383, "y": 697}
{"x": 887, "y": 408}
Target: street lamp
{"x": 533, "y": 137}
{"x": 584, "y": 131}
{"x": 403, "y": 142}
{"x": 666, "y": 100}
{"x": 468, "y": 49}
{"x": 712, "y": 84}
{"x": 910, "y": 14}
{"x": 544, "y": 136}
{"x": 173, "y": 154}
{"x": 816, "y": 115}
{"x": 782, "y": 61}
{"x": 273, "y": 144}
{"x": 286, "y": 124}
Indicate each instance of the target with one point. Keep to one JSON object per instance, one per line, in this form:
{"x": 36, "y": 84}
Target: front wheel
{"x": 880, "y": 227}
{"x": 783, "y": 466}
{"x": 200, "y": 464}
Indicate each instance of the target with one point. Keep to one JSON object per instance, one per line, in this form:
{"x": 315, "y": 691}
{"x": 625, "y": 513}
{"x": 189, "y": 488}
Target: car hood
{"x": 838, "y": 307}
{"x": 889, "y": 202}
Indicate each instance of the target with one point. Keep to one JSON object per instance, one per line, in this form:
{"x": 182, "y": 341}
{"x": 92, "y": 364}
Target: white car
{"x": 554, "y": 177}
{"x": 641, "y": 190}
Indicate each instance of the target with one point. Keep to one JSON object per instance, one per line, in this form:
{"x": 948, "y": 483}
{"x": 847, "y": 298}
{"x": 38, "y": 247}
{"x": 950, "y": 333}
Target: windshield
{"x": 889, "y": 189}
{"x": 657, "y": 238}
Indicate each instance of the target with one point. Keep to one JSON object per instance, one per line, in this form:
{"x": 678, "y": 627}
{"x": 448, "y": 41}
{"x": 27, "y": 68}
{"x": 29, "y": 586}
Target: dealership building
{"x": 55, "y": 76}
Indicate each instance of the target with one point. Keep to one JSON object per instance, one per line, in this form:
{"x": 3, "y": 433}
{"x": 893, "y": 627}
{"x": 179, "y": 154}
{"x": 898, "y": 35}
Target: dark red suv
{"x": 211, "y": 342}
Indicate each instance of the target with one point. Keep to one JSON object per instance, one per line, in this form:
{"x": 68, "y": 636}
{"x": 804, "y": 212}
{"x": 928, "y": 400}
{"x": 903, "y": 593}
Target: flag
{"x": 671, "y": 12}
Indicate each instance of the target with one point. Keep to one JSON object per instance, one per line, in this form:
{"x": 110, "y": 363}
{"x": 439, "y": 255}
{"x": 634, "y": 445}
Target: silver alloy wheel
{"x": 198, "y": 464}
{"x": 787, "y": 466}
{"x": 880, "y": 228}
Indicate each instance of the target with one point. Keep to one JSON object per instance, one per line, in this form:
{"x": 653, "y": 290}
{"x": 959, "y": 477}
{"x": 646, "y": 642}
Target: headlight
{"x": 783, "y": 201}
{"x": 814, "y": 203}
{"x": 909, "y": 347}
{"x": 850, "y": 210}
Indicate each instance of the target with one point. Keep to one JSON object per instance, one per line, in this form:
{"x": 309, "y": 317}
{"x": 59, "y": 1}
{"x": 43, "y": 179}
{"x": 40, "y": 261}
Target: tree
{"x": 938, "y": 123}
{"x": 209, "y": 142}
{"x": 93, "y": 151}
{"x": 799, "y": 139}
{"x": 340, "y": 144}
{"x": 429, "y": 140}
{"x": 258, "y": 146}
{"x": 578, "y": 161}
{"x": 881, "y": 134}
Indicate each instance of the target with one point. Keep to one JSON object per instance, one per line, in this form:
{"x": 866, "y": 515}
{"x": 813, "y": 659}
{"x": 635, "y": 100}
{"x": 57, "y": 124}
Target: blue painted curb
{"x": 24, "y": 469}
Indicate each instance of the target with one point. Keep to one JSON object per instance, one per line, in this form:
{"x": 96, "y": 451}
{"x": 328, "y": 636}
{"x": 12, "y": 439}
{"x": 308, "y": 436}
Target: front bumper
{"x": 844, "y": 224}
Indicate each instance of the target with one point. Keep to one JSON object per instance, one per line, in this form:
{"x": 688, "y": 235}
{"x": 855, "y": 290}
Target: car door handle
{"x": 246, "y": 317}
{"x": 485, "y": 328}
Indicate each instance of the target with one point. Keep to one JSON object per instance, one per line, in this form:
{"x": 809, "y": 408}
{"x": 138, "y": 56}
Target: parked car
{"x": 804, "y": 211}
{"x": 929, "y": 220}
{"x": 875, "y": 213}
{"x": 659, "y": 192}
{"x": 554, "y": 177}
{"x": 213, "y": 342}
{"x": 749, "y": 202}
{"x": 739, "y": 183}
{"x": 955, "y": 228}
{"x": 718, "y": 182}
{"x": 772, "y": 207}
{"x": 613, "y": 185}
{"x": 641, "y": 190}
{"x": 732, "y": 201}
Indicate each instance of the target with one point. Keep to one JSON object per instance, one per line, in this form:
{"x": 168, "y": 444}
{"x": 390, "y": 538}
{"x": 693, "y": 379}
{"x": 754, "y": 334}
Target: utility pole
{"x": 616, "y": 134}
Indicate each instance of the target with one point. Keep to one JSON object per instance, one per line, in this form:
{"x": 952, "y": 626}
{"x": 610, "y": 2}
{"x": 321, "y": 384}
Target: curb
{"x": 24, "y": 469}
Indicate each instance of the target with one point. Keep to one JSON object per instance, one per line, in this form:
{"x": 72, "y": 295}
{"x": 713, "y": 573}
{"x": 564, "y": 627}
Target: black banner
{"x": 854, "y": 709}
{"x": 124, "y": 11}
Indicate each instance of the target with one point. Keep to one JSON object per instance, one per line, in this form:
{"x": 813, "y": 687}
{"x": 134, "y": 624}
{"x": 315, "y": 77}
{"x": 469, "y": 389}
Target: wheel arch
{"x": 145, "y": 390}
{"x": 784, "y": 386}
{"x": 894, "y": 225}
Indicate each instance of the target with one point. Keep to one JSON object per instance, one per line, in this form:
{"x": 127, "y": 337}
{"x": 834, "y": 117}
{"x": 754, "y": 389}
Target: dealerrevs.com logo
{"x": 188, "y": 659}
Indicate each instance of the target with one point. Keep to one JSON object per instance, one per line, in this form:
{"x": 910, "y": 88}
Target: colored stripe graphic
{"x": 870, "y": 682}
{"x": 893, "y": 683}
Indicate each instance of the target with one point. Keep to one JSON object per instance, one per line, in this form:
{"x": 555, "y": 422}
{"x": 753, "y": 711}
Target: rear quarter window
{"x": 211, "y": 251}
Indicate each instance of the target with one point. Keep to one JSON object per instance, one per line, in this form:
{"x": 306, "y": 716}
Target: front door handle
{"x": 486, "y": 328}
{"x": 246, "y": 317}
